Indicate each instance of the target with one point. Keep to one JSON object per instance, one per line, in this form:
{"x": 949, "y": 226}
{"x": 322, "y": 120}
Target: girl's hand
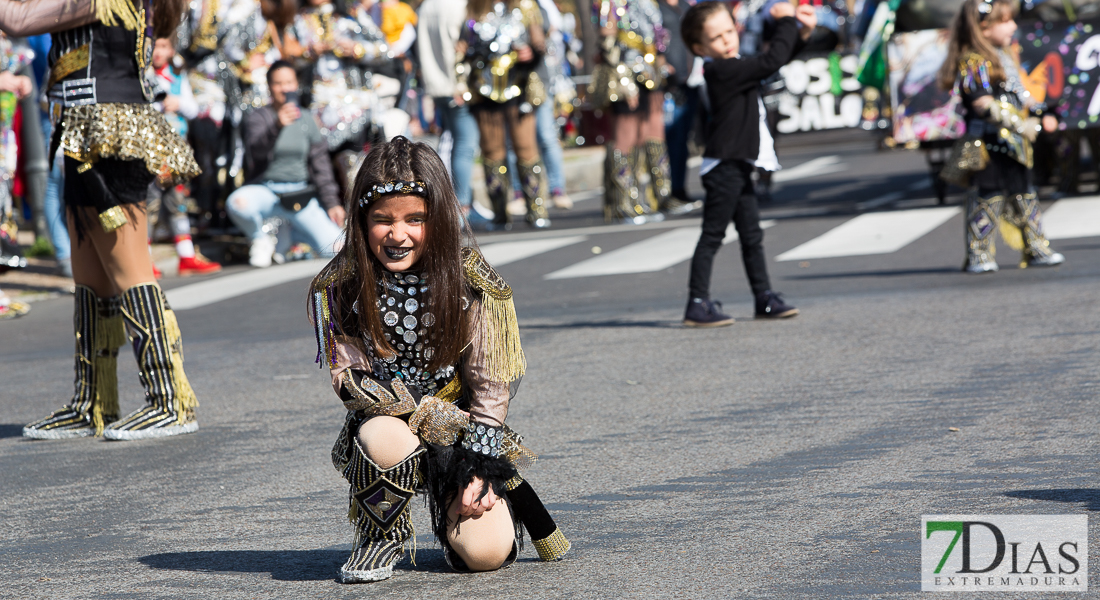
{"x": 983, "y": 103}
{"x": 1050, "y": 124}
{"x": 20, "y": 85}
{"x": 524, "y": 54}
{"x": 806, "y": 15}
{"x": 471, "y": 506}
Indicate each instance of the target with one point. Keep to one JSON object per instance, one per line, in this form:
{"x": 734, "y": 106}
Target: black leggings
{"x": 729, "y": 197}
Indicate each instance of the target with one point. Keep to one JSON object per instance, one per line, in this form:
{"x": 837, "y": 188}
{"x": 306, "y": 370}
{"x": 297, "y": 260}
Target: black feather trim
{"x": 450, "y": 469}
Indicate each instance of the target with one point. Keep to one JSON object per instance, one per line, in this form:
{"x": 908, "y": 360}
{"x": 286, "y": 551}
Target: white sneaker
{"x": 517, "y": 207}
{"x": 263, "y": 248}
{"x": 562, "y": 201}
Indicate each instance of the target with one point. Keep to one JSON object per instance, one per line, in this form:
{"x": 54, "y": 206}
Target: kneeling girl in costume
{"x": 421, "y": 338}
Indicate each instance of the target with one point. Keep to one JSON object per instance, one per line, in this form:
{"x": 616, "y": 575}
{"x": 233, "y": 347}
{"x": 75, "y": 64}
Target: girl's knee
{"x": 485, "y": 542}
{"x": 387, "y": 440}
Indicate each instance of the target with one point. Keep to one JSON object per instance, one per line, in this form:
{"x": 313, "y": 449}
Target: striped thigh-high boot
{"x": 620, "y": 188}
{"x": 982, "y": 217}
{"x": 498, "y": 186}
{"x": 99, "y": 332}
{"x": 159, "y": 351}
{"x": 379, "y": 509}
{"x": 1027, "y": 215}
{"x": 534, "y": 193}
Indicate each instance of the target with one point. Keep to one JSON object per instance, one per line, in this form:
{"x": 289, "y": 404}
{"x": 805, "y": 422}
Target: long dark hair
{"x": 967, "y": 36}
{"x": 441, "y": 262}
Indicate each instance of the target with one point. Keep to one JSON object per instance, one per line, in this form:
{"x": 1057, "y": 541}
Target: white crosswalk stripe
{"x": 1072, "y": 218}
{"x": 502, "y": 253}
{"x": 649, "y": 255}
{"x": 874, "y": 233}
{"x": 238, "y": 284}
{"x": 868, "y": 234}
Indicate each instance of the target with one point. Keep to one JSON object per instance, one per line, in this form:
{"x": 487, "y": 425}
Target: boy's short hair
{"x": 691, "y": 25}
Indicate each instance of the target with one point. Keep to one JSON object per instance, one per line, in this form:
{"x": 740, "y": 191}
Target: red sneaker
{"x": 156, "y": 272}
{"x": 198, "y": 265}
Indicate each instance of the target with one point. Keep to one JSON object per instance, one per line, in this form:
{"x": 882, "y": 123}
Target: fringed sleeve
{"x": 503, "y": 356}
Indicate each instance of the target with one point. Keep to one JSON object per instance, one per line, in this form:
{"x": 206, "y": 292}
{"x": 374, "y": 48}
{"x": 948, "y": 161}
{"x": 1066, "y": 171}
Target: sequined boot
{"x": 159, "y": 351}
{"x": 534, "y": 192}
{"x": 1028, "y": 216}
{"x": 499, "y": 189}
{"x": 99, "y": 334}
{"x": 621, "y": 197}
{"x": 982, "y": 215}
{"x": 380, "y": 511}
{"x": 660, "y": 180}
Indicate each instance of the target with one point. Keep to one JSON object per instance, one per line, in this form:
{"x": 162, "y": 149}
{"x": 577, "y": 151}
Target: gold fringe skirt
{"x": 128, "y": 132}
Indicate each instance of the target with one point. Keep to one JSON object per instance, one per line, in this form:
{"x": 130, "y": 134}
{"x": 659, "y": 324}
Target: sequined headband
{"x": 392, "y": 187}
{"x": 985, "y": 7}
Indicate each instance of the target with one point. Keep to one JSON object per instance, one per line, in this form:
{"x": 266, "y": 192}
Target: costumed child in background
{"x": 115, "y": 144}
{"x": 738, "y": 141}
{"x": 995, "y": 157}
{"x": 503, "y": 42}
{"x": 178, "y": 105}
{"x": 422, "y": 342}
{"x": 629, "y": 81}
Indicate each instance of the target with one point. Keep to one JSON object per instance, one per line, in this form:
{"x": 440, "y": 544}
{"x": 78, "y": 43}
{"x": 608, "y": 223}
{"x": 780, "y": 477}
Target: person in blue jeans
{"x": 440, "y": 24}
{"x": 286, "y": 153}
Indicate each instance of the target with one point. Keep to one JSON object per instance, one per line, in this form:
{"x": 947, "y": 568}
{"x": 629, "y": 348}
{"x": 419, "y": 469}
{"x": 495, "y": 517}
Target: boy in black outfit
{"x": 738, "y": 141}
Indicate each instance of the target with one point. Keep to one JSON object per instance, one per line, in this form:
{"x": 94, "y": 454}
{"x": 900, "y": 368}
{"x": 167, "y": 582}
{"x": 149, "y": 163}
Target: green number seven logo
{"x": 956, "y": 526}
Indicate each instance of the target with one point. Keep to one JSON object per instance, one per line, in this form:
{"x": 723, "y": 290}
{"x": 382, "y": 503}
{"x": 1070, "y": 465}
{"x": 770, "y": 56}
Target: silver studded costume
{"x": 503, "y": 93}
{"x": 994, "y": 160}
{"x": 631, "y": 69}
{"x": 342, "y": 93}
{"x": 216, "y": 38}
{"x": 454, "y": 446}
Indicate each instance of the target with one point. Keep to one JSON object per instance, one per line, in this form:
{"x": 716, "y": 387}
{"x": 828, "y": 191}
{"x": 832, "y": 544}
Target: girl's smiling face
{"x": 396, "y": 230}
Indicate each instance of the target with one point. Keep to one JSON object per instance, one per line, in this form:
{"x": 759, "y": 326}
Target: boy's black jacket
{"x": 733, "y": 87}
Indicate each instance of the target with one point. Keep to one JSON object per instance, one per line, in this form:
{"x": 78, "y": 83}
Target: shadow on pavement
{"x": 891, "y": 273}
{"x": 607, "y": 325}
{"x": 9, "y": 430}
{"x": 284, "y": 565}
{"x": 1090, "y": 497}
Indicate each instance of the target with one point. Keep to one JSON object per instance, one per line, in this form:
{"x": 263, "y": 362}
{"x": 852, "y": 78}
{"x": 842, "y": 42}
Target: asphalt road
{"x": 765, "y": 460}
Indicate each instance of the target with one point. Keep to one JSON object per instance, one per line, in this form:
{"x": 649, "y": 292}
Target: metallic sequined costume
{"x": 503, "y": 93}
{"x": 343, "y": 95}
{"x": 431, "y": 402}
{"x": 216, "y": 38}
{"x": 995, "y": 159}
{"x": 631, "y": 69}
{"x": 115, "y": 144}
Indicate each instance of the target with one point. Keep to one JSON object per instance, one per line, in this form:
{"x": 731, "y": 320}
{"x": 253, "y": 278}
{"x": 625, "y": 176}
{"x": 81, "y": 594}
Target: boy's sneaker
{"x": 770, "y": 305}
{"x": 702, "y": 312}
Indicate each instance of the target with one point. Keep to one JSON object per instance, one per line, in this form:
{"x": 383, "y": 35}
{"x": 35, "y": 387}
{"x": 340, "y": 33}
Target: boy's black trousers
{"x": 729, "y": 197}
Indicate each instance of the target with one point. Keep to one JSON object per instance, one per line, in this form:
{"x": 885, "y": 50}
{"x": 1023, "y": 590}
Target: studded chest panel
{"x": 407, "y": 322}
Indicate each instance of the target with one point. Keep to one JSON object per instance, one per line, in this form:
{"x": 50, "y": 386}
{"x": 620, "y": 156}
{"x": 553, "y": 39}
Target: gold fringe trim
{"x": 128, "y": 132}
{"x": 553, "y": 546}
{"x": 186, "y": 402}
{"x": 1011, "y": 234}
{"x": 115, "y": 13}
{"x": 110, "y": 336}
{"x": 504, "y": 359}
